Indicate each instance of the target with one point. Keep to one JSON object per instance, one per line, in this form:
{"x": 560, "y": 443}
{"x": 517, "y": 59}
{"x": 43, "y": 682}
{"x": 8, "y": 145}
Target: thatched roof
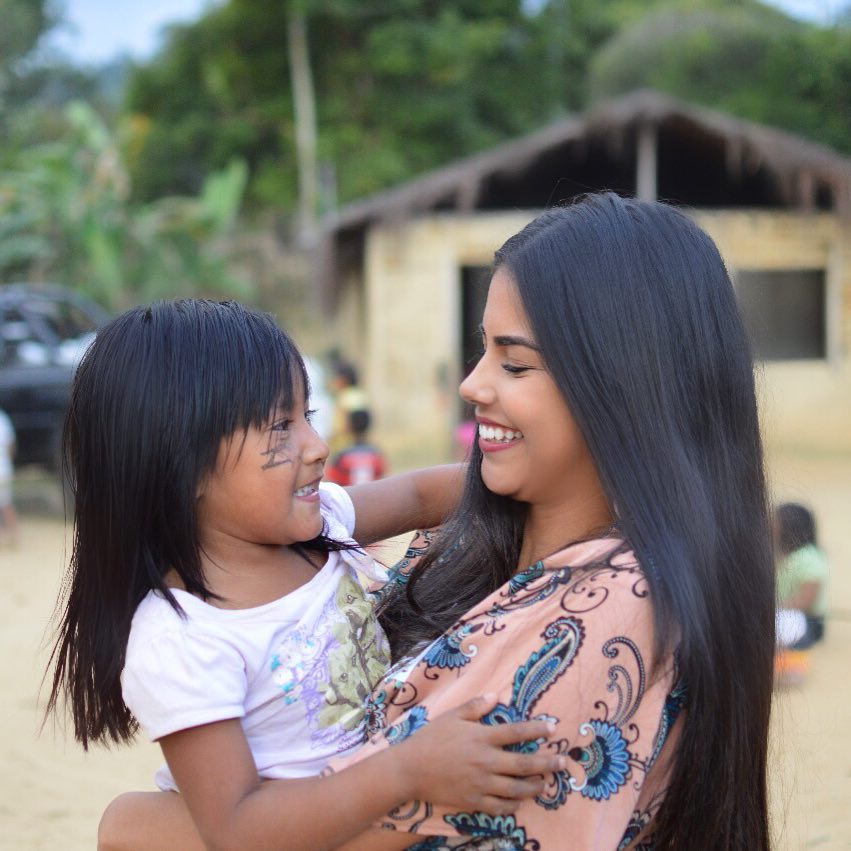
{"x": 761, "y": 166}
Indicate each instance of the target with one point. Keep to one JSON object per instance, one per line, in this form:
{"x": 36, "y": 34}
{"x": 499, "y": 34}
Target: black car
{"x": 44, "y": 331}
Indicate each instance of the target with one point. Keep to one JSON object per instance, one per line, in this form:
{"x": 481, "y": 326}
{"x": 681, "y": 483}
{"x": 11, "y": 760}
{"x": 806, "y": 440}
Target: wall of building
{"x": 412, "y": 305}
{"x": 806, "y": 405}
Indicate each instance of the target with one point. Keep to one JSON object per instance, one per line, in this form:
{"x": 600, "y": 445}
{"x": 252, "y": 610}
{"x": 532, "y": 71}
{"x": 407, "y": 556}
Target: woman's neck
{"x": 549, "y": 528}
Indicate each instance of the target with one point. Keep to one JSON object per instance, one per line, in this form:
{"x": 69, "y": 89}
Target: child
{"x": 215, "y": 597}
{"x": 801, "y": 592}
{"x": 361, "y": 461}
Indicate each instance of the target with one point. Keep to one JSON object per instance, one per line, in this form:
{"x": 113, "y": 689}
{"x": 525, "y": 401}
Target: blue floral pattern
{"x": 565, "y": 640}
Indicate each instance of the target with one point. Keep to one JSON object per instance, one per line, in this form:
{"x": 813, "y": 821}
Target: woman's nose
{"x": 475, "y": 389}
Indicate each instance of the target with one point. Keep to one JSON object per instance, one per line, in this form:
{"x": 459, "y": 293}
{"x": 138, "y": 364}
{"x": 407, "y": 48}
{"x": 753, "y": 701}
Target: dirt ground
{"x": 52, "y": 794}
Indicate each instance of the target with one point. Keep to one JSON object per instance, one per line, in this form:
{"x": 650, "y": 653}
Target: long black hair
{"x": 151, "y": 402}
{"x": 637, "y": 320}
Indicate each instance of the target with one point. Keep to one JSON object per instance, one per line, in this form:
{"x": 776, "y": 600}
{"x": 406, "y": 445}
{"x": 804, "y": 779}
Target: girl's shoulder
{"x": 338, "y": 511}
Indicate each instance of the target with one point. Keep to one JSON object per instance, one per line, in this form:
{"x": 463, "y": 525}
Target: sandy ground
{"x": 52, "y": 794}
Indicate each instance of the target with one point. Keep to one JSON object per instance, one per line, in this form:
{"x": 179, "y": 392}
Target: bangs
{"x": 252, "y": 368}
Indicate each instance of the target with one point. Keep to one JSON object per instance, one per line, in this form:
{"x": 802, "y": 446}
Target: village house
{"x": 405, "y": 271}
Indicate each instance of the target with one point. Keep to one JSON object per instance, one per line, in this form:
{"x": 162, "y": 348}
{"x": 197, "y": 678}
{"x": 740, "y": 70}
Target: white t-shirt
{"x": 296, "y": 670}
{"x": 7, "y": 441}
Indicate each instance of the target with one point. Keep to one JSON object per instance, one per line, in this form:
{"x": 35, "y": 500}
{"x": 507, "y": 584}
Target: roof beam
{"x": 646, "y": 188}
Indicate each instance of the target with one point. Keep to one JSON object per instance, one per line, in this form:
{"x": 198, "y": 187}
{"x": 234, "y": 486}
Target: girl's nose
{"x": 316, "y": 450}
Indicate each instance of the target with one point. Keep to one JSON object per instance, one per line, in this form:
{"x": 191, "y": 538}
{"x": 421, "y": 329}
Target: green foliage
{"x": 744, "y": 59}
{"x": 401, "y": 88}
{"x": 66, "y": 217}
{"x": 24, "y": 22}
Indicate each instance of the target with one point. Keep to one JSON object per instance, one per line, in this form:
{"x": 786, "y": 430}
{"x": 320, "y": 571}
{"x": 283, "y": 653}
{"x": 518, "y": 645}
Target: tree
{"x": 744, "y": 59}
{"x": 400, "y": 88}
{"x": 65, "y": 216}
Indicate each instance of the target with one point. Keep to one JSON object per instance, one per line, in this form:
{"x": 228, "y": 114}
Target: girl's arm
{"x": 420, "y": 499}
{"x": 453, "y": 760}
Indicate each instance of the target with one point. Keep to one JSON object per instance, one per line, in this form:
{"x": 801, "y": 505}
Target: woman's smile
{"x": 494, "y": 437}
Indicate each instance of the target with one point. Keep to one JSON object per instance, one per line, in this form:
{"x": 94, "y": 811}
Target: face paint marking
{"x": 274, "y": 454}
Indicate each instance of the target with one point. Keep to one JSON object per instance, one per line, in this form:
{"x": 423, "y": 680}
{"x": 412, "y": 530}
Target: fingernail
{"x": 491, "y": 695}
{"x": 551, "y": 727}
{"x": 562, "y": 763}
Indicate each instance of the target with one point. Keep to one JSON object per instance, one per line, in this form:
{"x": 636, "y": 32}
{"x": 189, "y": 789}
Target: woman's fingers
{"x": 503, "y": 734}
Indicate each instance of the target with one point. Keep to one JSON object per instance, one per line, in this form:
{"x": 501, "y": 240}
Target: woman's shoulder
{"x": 590, "y": 576}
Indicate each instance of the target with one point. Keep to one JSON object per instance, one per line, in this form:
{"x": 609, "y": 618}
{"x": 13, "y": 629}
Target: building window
{"x": 784, "y": 311}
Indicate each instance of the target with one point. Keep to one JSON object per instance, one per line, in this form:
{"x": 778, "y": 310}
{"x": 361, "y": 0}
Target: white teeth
{"x": 498, "y": 433}
{"x": 307, "y": 490}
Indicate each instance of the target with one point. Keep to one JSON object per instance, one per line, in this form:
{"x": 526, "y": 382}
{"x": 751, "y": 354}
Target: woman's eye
{"x": 515, "y": 370}
{"x": 281, "y": 425}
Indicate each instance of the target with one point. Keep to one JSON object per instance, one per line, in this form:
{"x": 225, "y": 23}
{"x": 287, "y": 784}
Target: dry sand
{"x": 52, "y": 794}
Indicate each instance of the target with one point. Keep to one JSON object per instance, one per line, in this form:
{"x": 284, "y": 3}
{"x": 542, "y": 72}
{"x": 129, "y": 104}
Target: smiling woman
{"x": 527, "y": 434}
{"x": 609, "y": 565}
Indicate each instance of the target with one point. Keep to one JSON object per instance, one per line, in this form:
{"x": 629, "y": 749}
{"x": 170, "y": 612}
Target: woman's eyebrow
{"x": 511, "y": 340}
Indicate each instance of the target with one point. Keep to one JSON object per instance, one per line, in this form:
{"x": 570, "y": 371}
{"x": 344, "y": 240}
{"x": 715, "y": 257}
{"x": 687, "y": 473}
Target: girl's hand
{"x": 457, "y": 761}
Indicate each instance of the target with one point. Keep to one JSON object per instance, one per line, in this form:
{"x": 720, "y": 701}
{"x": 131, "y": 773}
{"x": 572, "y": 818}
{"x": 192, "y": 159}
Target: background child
{"x": 801, "y": 570}
{"x": 214, "y": 594}
{"x": 361, "y": 461}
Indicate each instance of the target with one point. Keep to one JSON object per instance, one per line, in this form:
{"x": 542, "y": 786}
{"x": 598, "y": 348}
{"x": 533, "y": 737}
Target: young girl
{"x": 215, "y": 599}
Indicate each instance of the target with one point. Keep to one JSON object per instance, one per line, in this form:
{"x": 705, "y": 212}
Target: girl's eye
{"x": 515, "y": 370}
{"x": 281, "y": 425}
{"x": 310, "y": 414}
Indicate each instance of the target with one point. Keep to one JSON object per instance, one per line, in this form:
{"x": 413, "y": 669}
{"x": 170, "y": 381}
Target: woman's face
{"x": 532, "y": 448}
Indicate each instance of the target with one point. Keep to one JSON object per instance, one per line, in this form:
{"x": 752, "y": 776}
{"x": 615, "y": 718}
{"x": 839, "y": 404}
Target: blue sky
{"x": 97, "y": 30}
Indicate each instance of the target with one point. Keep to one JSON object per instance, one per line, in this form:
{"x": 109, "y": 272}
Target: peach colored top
{"x": 570, "y": 639}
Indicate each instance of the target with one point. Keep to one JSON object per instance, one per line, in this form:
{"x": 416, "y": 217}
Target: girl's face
{"x": 532, "y": 448}
{"x": 265, "y": 487}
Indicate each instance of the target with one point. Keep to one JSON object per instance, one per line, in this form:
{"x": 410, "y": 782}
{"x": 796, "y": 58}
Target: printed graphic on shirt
{"x": 332, "y": 665}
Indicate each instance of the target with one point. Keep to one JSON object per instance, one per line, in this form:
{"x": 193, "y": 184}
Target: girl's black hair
{"x": 796, "y": 527}
{"x": 635, "y": 314}
{"x": 152, "y": 400}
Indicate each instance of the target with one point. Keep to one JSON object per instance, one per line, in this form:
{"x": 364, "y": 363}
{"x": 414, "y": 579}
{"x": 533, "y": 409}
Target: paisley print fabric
{"x": 569, "y": 639}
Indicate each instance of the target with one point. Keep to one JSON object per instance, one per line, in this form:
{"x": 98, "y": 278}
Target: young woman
{"x": 609, "y": 565}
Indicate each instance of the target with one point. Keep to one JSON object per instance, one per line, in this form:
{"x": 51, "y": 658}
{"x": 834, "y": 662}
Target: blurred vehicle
{"x": 44, "y": 330}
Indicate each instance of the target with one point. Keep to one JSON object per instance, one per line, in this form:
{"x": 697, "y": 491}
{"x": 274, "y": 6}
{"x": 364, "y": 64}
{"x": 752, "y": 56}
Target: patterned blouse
{"x": 569, "y": 639}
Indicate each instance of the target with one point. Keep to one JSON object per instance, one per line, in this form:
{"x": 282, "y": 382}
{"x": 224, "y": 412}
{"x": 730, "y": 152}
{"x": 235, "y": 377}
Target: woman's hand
{"x": 458, "y": 762}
